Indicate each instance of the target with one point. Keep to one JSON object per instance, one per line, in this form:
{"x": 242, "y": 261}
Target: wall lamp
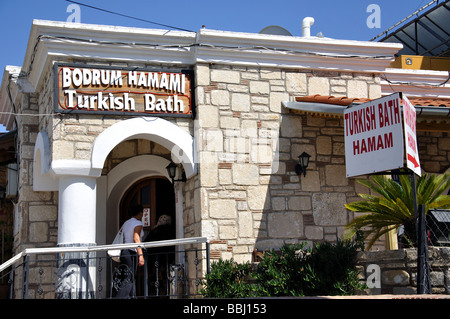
{"x": 303, "y": 161}
{"x": 172, "y": 171}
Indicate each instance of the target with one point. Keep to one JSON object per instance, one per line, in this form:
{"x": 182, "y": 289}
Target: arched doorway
{"x": 157, "y": 196}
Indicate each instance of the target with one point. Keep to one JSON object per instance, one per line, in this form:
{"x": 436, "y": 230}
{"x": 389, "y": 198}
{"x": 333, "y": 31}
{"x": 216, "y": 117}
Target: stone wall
{"x": 434, "y": 151}
{"x": 35, "y": 220}
{"x": 397, "y": 272}
{"x": 246, "y": 194}
{"x": 249, "y": 144}
{"x": 71, "y": 137}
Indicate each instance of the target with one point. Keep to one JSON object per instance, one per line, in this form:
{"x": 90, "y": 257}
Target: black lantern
{"x": 303, "y": 161}
{"x": 172, "y": 171}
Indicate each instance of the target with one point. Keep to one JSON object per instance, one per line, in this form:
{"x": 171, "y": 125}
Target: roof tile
{"x": 343, "y": 100}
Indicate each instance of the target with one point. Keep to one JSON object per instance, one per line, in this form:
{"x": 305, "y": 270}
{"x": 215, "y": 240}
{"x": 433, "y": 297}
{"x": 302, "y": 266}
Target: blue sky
{"x": 343, "y": 19}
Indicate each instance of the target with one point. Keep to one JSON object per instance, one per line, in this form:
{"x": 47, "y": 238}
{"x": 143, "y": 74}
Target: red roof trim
{"x": 329, "y": 99}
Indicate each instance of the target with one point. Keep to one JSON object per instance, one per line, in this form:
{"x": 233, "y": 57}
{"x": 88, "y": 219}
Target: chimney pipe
{"x": 306, "y": 26}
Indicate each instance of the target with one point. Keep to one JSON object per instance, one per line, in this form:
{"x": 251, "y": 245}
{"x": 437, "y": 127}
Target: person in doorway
{"x": 161, "y": 258}
{"x": 130, "y": 259}
{"x": 163, "y": 229}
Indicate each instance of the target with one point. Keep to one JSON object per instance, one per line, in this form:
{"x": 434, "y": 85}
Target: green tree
{"x": 392, "y": 204}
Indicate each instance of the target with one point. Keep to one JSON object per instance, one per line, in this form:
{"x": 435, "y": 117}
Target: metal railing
{"x": 434, "y": 252}
{"x": 173, "y": 269}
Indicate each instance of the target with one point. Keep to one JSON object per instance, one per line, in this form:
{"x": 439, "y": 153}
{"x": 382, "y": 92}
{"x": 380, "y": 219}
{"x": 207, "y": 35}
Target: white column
{"x": 76, "y": 274}
{"x": 77, "y": 211}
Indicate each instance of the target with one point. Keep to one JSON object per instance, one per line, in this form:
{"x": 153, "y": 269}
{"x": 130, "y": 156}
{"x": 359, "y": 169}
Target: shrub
{"x": 281, "y": 273}
{"x": 326, "y": 269}
{"x": 331, "y": 269}
{"x": 227, "y": 280}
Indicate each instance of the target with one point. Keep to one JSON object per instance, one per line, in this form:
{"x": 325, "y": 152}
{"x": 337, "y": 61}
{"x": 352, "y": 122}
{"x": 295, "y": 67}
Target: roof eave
{"x": 208, "y": 46}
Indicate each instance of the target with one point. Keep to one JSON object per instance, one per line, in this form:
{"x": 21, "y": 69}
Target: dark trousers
{"x": 128, "y": 268}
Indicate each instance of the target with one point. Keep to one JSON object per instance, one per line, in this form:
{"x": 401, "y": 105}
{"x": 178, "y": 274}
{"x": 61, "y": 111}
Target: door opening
{"x": 156, "y": 195}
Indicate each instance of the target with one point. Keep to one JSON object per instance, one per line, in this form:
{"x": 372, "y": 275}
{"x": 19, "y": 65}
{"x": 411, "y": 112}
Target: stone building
{"x": 84, "y": 156}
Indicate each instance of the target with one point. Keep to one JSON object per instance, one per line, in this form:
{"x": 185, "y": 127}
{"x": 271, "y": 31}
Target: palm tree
{"x": 393, "y": 204}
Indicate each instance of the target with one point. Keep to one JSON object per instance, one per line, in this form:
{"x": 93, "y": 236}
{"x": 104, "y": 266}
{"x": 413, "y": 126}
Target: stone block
{"x": 208, "y": 116}
{"x": 324, "y": 145}
{"x": 42, "y": 213}
{"x": 278, "y": 203}
{"x": 387, "y": 255}
{"x": 242, "y": 258}
{"x": 395, "y": 277}
{"x": 202, "y": 74}
{"x": 258, "y": 197}
{"x": 75, "y": 129}
{"x": 318, "y": 85}
{"x": 310, "y": 182}
{"x": 32, "y": 196}
{"x": 268, "y": 244}
{"x": 208, "y": 169}
{"x": 27, "y": 152}
{"x": 261, "y": 153}
{"x": 228, "y": 122}
{"x": 237, "y": 145}
{"x": 285, "y": 225}
{"x": 225, "y": 76}
{"x": 245, "y": 221}
{"x": 245, "y": 174}
{"x": 210, "y": 229}
{"x": 222, "y": 208}
{"x": 291, "y": 126}
{"x": 63, "y": 150}
{"x": 38, "y": 232}
{"x": 336, "y": 175}
{"x": 249, "y": 128}
{"x": 213, "y": 140}
{"x": 220, "y": 97}
{"x": 299, "y": 203}
{"x": 225, "y": 177}
{"x": 357, "y": 88}
{"x": 374, "y": 91}
{"x": 238, "y": 88}
{"x": 275, "y": 100}
{"x": 228, "y": 232}
{"x": 444, "y": 143}
{"x": 296, "y": 82}
{"x": 314, "y": 232}
{"x": 240, "y": 102}
{"x": 270, "y": 74}
{"x": 258, "y": 87}
{"x": 328, "y": 209}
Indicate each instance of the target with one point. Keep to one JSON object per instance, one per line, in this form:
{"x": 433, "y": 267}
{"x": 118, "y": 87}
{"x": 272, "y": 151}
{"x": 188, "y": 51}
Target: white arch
{"x": 42, "y": 177}
{"x": 134, "y": 168}
{"x": 120, "y": 178}
{"x": 161, "y": 131}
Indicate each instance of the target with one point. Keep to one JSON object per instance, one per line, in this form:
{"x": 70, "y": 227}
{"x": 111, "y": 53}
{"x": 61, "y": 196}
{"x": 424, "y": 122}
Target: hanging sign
{"x": 374, "y": 136}
{"x": 115, "y": 91}
{"x": 412, "y": 153}
{"x": 146, "y": 217}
